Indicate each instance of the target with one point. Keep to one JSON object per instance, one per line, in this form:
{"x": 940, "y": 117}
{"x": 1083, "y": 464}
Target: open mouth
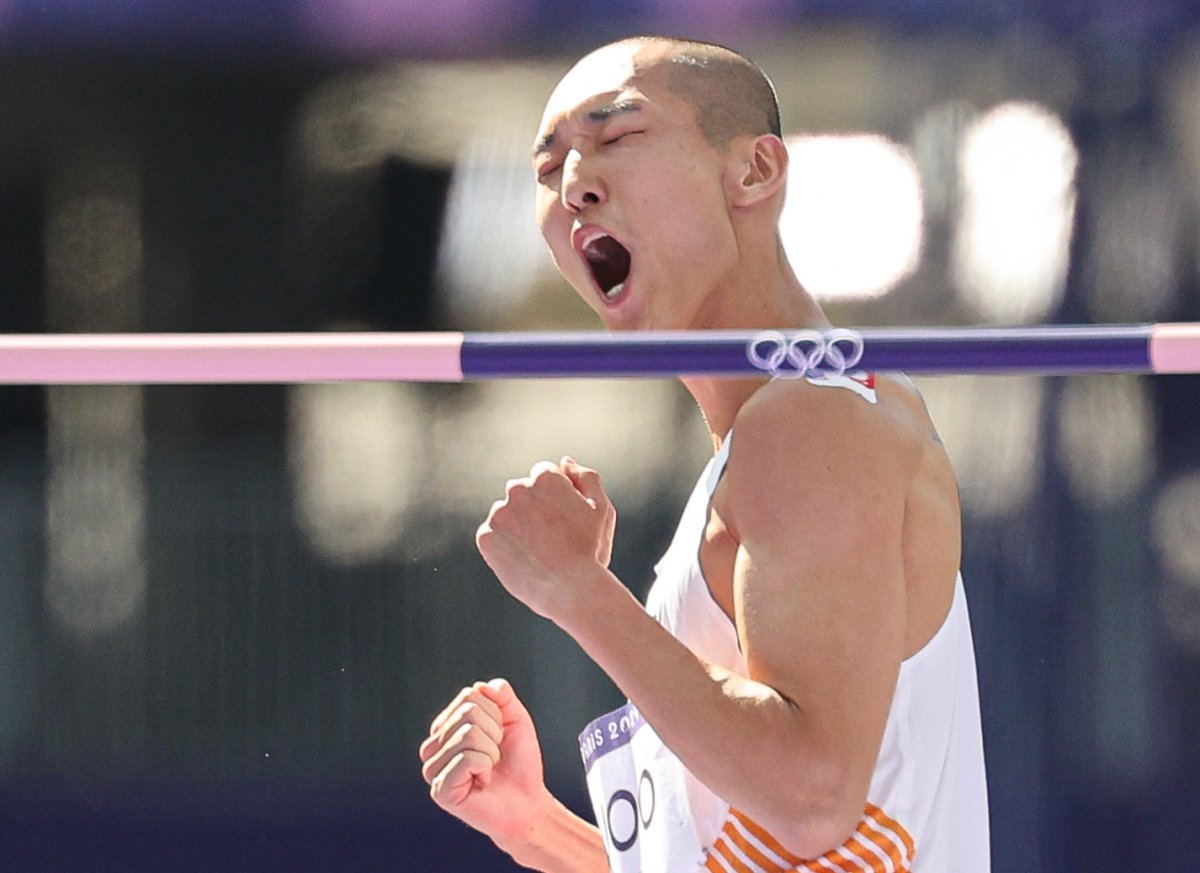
{"x": 609, "y": 262}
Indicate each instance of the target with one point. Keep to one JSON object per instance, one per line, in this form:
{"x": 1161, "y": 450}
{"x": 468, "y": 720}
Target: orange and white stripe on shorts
{"x": 879, "y": 845}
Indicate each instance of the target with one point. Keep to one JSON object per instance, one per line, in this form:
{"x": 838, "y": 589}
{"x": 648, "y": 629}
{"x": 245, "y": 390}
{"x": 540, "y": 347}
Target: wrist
{"x": 555, "y": 840}
{"x": 519, "y": 840}
{"x": 587, "y": 600}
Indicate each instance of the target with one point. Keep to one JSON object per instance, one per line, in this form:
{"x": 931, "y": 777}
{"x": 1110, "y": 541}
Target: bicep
{"x": 819, "y": 600}
{"x": 821, "y": 619}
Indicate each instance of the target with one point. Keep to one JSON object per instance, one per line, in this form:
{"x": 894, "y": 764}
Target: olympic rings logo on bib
{"x": 806, "y": 353}
{"x": 625, "y": 812}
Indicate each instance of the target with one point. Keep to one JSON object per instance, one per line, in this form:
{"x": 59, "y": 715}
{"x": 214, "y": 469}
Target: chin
{"x": 628, "y": 315}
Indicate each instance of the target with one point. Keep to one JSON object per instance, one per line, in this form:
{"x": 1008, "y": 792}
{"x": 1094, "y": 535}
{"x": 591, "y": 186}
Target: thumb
{"x": 589, "y": 485}
{"x": 501, "y": 693}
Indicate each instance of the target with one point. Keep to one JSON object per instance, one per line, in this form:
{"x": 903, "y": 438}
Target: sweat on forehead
{"x": 729, "y": 93}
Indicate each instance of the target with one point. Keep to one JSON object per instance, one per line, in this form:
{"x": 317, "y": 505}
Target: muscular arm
{"x": 819, "y": 599}
{"x": 817, "y": 510}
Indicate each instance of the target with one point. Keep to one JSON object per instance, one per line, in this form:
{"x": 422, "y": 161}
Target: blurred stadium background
{"x": 227, "y": 614}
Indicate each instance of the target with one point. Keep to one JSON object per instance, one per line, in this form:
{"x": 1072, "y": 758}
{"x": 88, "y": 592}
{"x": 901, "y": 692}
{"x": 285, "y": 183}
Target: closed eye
{"x": 621, "y": 136}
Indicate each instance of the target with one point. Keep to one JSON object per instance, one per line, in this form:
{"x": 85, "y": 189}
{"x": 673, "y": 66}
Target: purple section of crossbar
{"x": 502, "y": 355}
{"x": 1041, "y": 350}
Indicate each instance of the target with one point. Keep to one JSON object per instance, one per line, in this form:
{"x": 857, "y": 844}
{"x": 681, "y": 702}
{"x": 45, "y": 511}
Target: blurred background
{"x": 228, "y": 614}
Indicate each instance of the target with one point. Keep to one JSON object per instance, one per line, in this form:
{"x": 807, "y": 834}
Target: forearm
{"x": 559, "y": 842}
{"x": 741, "y": 738}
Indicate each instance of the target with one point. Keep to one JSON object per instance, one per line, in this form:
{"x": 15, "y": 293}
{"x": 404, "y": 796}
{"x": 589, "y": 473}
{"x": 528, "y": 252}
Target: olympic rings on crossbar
{"x": 805, "y": 353}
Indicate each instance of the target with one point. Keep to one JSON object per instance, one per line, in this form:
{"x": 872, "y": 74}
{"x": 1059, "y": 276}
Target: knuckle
{"x": 543, "y": 471}
{"x": 471, "y": 736}
{"x": 457, "y": 737}
{"x": 449, "y": 713}
{"x": 496, "y": 518}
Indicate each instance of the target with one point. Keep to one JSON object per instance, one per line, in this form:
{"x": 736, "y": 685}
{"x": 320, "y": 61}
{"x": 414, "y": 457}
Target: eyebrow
{"x": 595, "y": 116}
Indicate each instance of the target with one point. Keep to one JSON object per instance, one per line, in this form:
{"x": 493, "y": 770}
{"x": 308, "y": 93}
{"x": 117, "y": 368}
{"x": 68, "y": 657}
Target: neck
{"x": 756, "y": 302}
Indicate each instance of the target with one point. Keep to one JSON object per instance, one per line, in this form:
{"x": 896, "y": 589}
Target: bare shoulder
{"x": 864, "y": 477}
{"x": 793, "y": 428}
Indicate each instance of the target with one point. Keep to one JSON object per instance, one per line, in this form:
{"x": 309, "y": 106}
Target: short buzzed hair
{"x": 729, "y": 92}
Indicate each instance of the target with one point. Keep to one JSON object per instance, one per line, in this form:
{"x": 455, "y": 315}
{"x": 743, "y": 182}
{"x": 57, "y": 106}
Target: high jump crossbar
{"x": 244, "y": 358}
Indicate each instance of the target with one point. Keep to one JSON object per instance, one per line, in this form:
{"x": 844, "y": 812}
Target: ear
{"x": 757, "y": 170}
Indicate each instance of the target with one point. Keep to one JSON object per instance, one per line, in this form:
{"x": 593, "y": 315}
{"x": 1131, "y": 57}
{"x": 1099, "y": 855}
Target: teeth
{"x": 591, "y": 238}
{"x": 614, "y": 291}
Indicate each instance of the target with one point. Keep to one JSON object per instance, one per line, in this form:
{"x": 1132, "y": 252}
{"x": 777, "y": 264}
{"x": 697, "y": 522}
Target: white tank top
{"x": 926, "y": 807}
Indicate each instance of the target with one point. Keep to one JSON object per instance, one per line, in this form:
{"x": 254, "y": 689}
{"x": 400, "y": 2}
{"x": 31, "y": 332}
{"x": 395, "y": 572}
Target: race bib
{"x": 637, "y": 790}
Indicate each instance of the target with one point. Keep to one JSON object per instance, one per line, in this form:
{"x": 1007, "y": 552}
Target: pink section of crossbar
{"x": 229, "y": 358}
{"x": 1175, "y": 348}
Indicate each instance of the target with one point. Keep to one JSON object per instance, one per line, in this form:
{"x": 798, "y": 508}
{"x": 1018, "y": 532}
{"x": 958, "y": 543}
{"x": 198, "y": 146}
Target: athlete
{"x": 801, "y": 682}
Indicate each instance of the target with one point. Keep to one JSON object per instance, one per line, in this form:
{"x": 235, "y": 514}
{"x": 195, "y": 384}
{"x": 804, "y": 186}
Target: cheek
{"x": 544, "y": 211}
{"x": 556, "y": 234}
{"x": 554, "y": 226}
{"x": 689, "y": 201}
{"x": 697, "y": 224}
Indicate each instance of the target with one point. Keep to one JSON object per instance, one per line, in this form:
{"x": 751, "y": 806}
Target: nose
{"x": 580, "y": 185}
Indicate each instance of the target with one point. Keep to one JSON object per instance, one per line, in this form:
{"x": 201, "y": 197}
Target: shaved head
{"x": 731, "y": 96}
{"x": 660, "y": 169}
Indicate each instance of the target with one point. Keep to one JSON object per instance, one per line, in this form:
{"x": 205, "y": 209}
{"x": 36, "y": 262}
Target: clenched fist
{"x": 483, "y": 763}
{"x": 551, "y": 536}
